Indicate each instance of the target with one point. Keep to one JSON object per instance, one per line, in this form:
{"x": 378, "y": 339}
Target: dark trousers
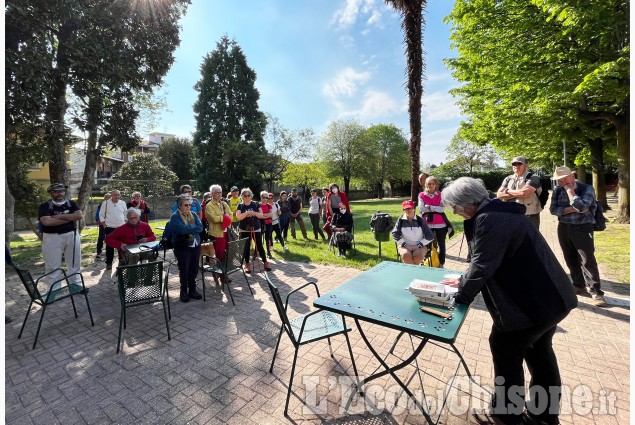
{"x": 440, "y": 234}
{"x": 284, "y": 224}
{"x": 578, "y": 249}
{"x": 532, "y": 345}
{"x": 257, "y": 238}
{"x": 110, "y": 251}
{"x": 317, "y": 228}
{"x": 267, "y": 235}
{"x": 100, "y": 239}
{"x": 188, "y": 259}
{"x": 535, "y": 220}
{"x": 276, "y": 229}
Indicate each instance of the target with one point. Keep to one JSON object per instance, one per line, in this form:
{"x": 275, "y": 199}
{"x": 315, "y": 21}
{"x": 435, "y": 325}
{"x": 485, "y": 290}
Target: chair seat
{"x": 143, "y": 293}
{"x": 61, "y": 293}
{"x": 318, "y": 326}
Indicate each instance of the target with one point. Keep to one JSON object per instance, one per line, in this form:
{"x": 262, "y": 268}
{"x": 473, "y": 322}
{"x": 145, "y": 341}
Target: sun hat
{"x": 561, "y": 172}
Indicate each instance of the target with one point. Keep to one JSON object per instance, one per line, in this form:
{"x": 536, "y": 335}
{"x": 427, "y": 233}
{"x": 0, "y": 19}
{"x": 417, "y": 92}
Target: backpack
{"x": 545, "y": 186}
{"x": 600, "y": 220}
{"x": 381, "y": 222}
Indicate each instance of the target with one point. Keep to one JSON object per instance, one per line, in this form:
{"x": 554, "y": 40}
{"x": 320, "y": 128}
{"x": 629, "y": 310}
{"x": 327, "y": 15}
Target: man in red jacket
{"x": 132, "y": 232}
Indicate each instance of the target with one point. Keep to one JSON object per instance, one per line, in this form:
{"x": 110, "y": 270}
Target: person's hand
{"x": 403, "y": 245}
{"x": 419, "y": 244}
{"x": 123, "y": 245}
{"x": 144, "y": 240}
{"x": 454, "y": 283}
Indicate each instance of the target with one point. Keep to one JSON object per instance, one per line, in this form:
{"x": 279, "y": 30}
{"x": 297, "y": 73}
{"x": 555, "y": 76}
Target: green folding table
{"x": 380, "y": 295}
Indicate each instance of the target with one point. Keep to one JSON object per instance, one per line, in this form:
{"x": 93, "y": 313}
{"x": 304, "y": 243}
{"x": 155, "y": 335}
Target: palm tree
{"x": 412, "y": 25}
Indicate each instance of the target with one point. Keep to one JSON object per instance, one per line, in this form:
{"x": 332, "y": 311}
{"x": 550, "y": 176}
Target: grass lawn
{"x": 613, "y": 251}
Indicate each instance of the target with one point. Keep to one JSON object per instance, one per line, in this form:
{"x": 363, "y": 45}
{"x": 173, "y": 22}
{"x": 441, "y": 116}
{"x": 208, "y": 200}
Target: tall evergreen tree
{"x": 229, "y": 136}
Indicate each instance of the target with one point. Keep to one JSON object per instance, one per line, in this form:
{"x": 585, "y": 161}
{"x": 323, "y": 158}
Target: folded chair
{"x": 233, "y": 263}
{"x": 141, "y": 284}
{"x": 306, "y": 329}
{"x": 52, "y": 295}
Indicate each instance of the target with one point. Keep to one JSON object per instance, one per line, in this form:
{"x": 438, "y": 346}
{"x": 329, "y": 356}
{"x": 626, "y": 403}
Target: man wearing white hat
{"x": 522, "y": 187}
{"x": 574, "y": 203}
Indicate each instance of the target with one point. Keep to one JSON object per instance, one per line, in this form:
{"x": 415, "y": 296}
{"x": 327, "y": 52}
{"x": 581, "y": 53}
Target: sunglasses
{"x": 517, "y": 164}
{"x": 246, "y": 196}
{"x": 186, "y": 205}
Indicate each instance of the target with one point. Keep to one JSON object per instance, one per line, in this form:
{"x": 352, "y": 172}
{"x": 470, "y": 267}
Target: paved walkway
{"x": 216, "y": 367}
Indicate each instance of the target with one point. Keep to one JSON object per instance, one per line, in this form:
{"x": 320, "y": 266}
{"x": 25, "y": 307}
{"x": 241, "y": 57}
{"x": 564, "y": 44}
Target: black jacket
{"x": 522, "y": 283}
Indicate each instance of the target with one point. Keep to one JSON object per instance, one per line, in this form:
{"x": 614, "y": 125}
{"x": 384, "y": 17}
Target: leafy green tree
{"x": 143, "y": 173}
{"x": 229, "y": 125}
{"x": 412, "y": 23}
{"x": 554, "y": 71}
{"x": 178, "y": 155}
{"x": 468, "y": 155}
{"x": 385, "y": 157}
{"x": 341, "y": 149}
{"x": 306, "y": 176}
{"x": 284, "y": 147}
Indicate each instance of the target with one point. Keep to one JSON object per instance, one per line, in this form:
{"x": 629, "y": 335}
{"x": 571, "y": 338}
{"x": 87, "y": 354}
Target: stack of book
{"x": 432, "y": 293}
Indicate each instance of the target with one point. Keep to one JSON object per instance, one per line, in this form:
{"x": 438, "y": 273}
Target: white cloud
{"x": 377, "y": 104}
{"x": 345, "y": 83}
{"x": 346, "y": 16}
{"x": 440, "y": 106}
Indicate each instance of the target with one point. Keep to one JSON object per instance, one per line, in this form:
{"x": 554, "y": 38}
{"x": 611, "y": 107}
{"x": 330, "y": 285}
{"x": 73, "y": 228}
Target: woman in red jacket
{"x": 333, "y": 200}
{"x": 132, "y": 232}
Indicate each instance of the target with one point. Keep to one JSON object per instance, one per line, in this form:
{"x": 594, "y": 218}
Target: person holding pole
{"x": 60, "y": 237}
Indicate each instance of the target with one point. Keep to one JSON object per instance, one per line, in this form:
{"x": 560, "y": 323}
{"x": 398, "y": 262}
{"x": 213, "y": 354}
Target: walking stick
{"x": 461, "y": 247}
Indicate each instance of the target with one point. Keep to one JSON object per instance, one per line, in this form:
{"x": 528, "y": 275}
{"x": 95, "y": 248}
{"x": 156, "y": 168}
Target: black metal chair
{"x": 52, "y": 295}
{"x": 142, "y": 284}
{"x": 306, "y": 329}
{"x": 233, "y": 263}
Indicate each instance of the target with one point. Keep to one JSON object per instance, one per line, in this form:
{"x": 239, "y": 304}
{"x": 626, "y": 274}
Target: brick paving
{"x": 216, "y": 367}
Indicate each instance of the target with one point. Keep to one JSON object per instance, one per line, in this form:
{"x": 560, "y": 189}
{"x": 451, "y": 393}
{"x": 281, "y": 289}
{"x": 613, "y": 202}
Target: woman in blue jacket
{"x": 185, "y": 229}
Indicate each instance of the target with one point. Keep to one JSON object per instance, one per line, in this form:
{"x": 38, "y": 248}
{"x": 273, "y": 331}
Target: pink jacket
{"x": 432, "y": 203}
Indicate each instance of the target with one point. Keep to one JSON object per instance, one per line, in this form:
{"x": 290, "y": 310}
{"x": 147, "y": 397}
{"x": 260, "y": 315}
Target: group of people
{"x": 525, "y": 289}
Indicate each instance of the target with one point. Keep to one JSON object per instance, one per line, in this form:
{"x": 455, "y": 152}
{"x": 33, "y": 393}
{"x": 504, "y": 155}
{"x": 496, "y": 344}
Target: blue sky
{"x": 317, "y": 61}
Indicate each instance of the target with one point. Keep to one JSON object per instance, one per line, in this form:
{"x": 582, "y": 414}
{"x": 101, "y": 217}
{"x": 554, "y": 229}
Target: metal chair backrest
{"x": 28, "y": 282}
{"x": 235, "y": 251}
{"x": 277, "y": 299}
{"x": 146, "y": 278}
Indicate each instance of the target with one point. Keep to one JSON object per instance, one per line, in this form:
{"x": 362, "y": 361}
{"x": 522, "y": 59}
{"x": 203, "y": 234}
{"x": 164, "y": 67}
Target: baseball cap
{"x": 407, "y": 204}
{"x": 56, "y": 186}
{"x": 520, "y": 159}
{"x": 234, "y": 189}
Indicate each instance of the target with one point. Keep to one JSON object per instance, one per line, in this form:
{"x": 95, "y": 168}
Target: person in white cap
{"x": 60, "y": 237}
{"x": 574, "y": 203}
{"x": 524, "y": 188}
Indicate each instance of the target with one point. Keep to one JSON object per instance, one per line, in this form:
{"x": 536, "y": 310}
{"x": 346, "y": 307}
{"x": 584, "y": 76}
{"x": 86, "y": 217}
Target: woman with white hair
{"x": 526, "y": 292}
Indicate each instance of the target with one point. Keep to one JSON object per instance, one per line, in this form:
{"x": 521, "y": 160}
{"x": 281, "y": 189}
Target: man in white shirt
{"x": 112, "y": 214}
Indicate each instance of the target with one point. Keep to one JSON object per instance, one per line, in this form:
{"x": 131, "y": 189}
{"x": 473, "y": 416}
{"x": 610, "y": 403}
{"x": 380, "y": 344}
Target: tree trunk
{"x": 380, "y": 190}
{"x": 581, "y": 173}
{"x": 412, "y": 26}
{"x": 596, "y": 147}
{"x": 347, "y": 183}
{"x": 9, "y": 205}
{"x": 56, "y": 111}
{"x": 623, "y": 129}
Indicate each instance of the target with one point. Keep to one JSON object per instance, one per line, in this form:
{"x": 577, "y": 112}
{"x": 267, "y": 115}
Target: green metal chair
{"x": 52, "y": 295}
{"x": 142, "y": 284}
{"x": 233, "y": 263}
{"x": 306, "y": 329}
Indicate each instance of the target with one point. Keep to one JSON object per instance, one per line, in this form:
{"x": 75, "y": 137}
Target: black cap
{"x": 56, "y": 186}
{"x": 234, "y": 189}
